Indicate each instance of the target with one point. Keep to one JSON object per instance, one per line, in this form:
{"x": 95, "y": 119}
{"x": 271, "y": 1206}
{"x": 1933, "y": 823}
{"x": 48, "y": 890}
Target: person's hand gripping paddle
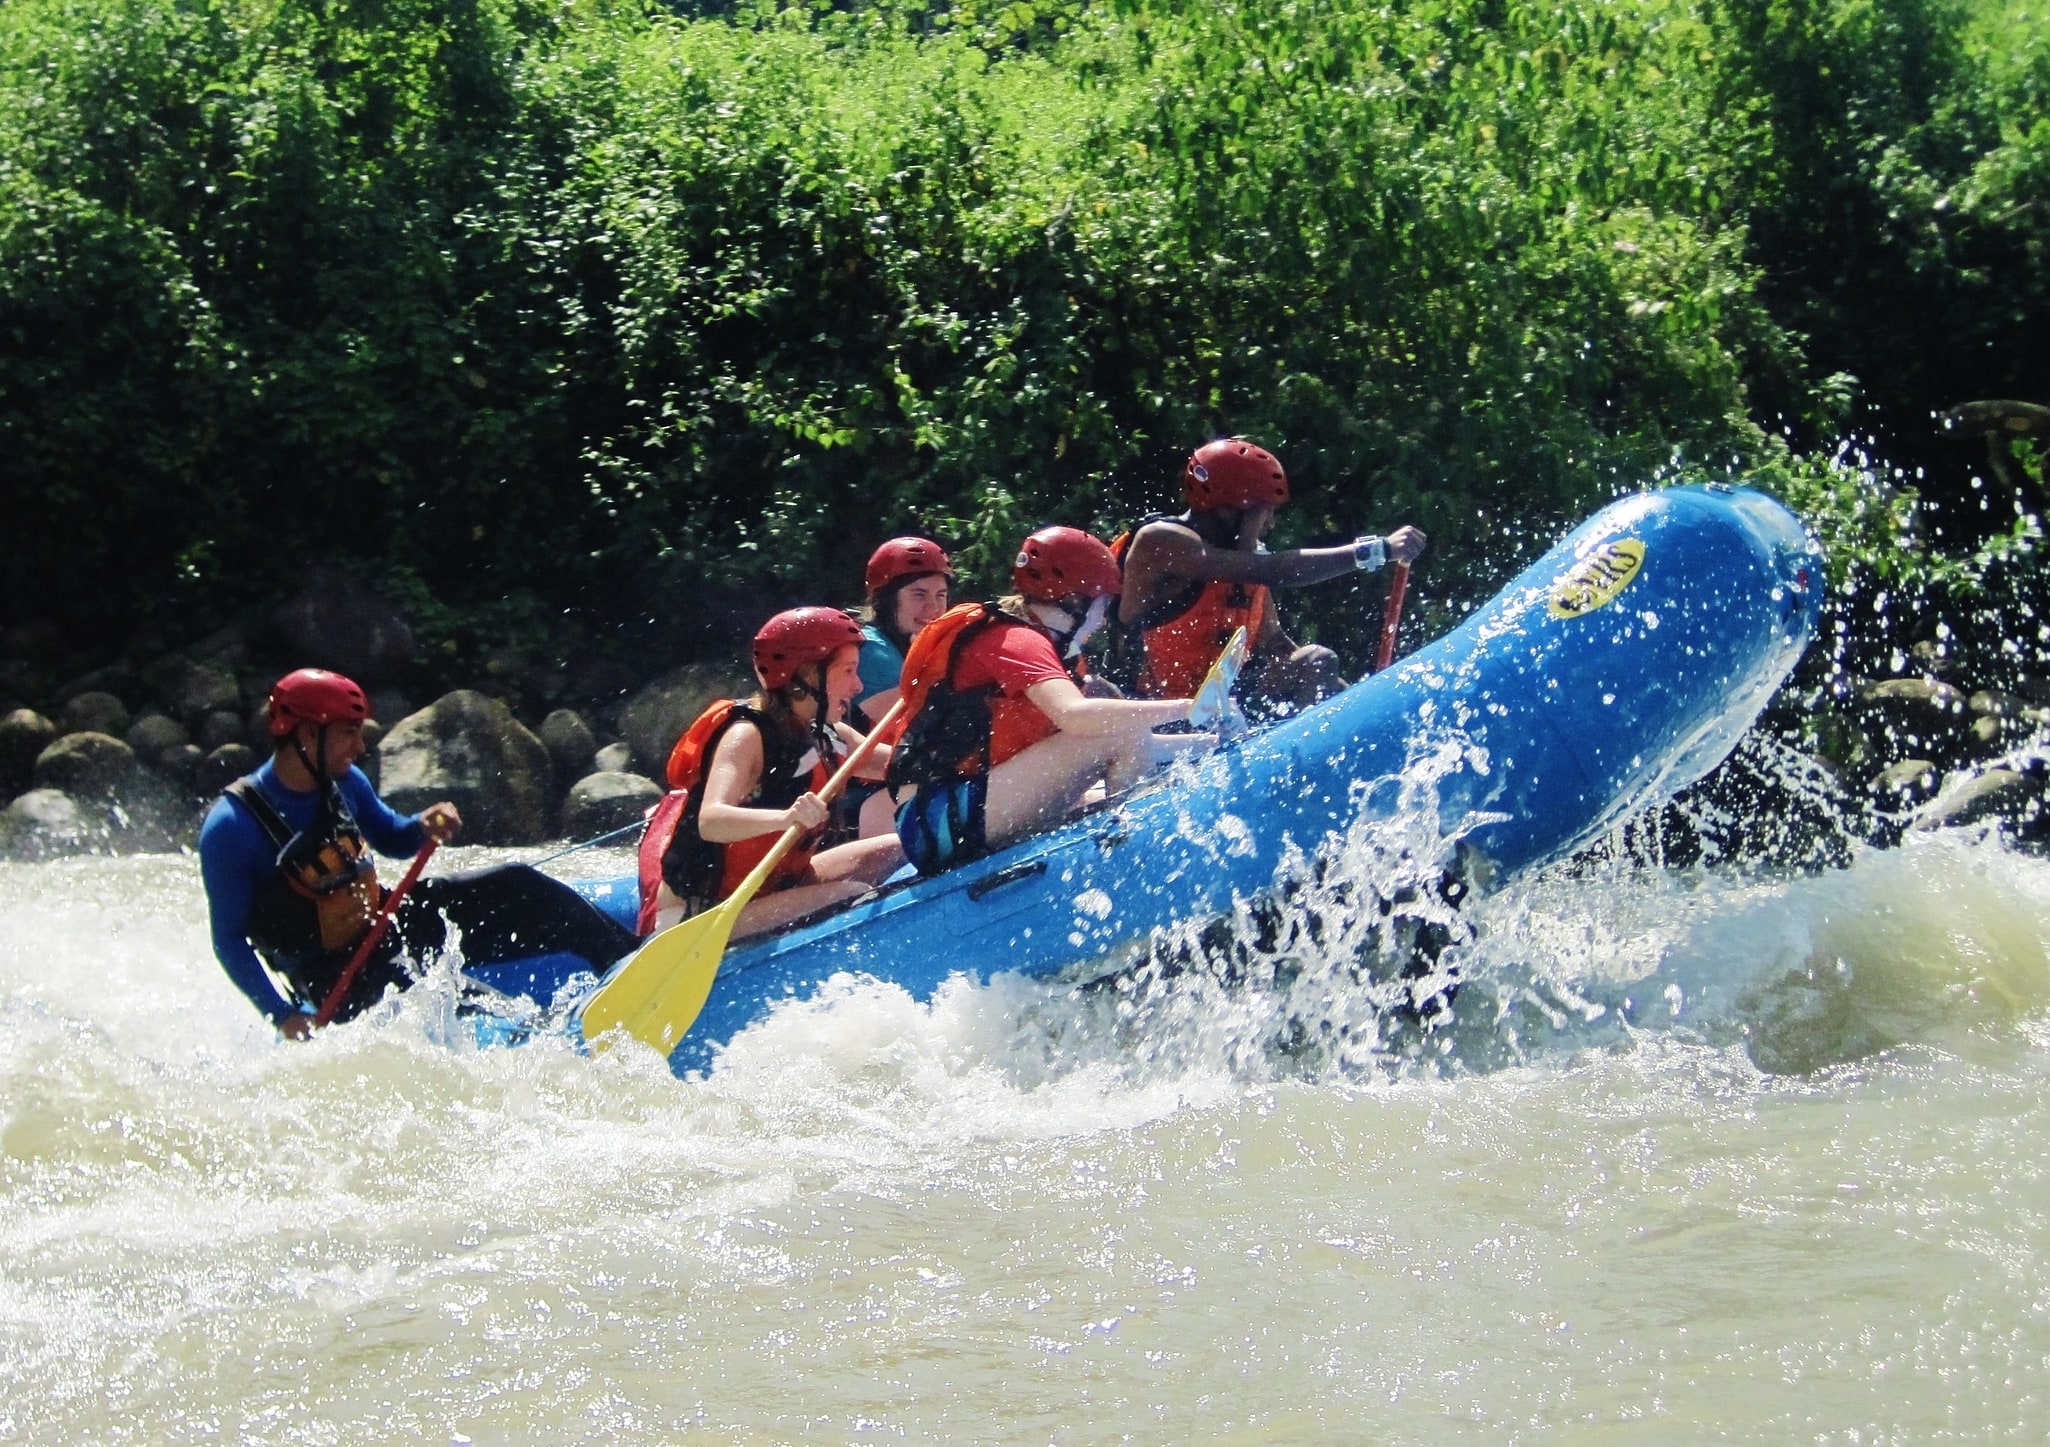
{"x": 392, "y": 901}
{"x": 1212, "y": 708}
{"x": 657, "y": 992}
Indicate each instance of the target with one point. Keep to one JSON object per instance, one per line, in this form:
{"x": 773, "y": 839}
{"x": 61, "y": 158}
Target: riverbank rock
{"x": 223, "y": 726}
{"x": 613, "y": 759}
{"x": 180, "y": 762}
{"x": 192, "y": 690}
{"x": 1907, "y": 777}
{"x": 153, "y": 733}
{"x": 470, "y": 750}
{"x": 44, "y": 824}
{"x": 336, "y": 622}
{"x": 600, "y": 803}
{"x": 222, "y": 767}
{"x": 93, "y": 712}
{"x": 86, "y": 764}
{"x": 654, "y": 719}
{"x": 1931, "y": 692}
{"x": 24, "y": 734}
{"x": 2009, "y": 795}
{"x": 570, "y": 743}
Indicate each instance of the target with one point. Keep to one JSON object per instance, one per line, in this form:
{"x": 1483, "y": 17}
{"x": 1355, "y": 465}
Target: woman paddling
{"x": 748, "y": 769}
{"x": 1001, "y": 739}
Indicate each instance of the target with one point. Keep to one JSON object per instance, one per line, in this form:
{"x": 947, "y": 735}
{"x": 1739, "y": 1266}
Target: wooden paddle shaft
{"x": 1391, "y": 618}
{"x": 392, "y": 901}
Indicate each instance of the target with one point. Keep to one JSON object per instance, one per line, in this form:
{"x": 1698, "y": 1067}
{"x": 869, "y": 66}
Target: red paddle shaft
{"x": 1392, "y": 618}
{"x": 392, "y": 901}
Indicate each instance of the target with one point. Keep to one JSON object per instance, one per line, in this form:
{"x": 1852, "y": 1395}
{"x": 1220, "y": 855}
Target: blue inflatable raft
{"x": 1620, "y": 667}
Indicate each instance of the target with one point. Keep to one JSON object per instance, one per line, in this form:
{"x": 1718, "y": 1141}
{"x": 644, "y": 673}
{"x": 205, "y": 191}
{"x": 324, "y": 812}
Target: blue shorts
{"x": 942, "y": 824}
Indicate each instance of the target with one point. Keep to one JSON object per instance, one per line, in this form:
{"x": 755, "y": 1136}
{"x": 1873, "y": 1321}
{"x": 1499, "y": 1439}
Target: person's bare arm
{"x": 877, "y": 762}
{"x": 1164, "y": 552}
{"x": 735, "y": 770}
{"x": 1074, "y": 712}
{"x": 1166, "y": 556}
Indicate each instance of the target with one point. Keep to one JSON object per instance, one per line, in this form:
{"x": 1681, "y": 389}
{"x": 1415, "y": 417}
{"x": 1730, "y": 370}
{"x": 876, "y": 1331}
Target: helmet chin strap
{"x": 821, "y": 731}
{"x": 1068, "y": 631}
{"x": 318, "y": 770}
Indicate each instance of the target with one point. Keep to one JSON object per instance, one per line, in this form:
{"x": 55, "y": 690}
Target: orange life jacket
{"x": 698, "y": 871}
{"x": 325, "y": 894}
{"x": 946, "y": 732}
{"x": 1182, "y": 638}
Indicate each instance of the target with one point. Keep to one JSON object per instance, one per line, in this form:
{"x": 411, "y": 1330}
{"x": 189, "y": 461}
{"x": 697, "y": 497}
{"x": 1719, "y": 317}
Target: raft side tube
{"x": 1618, "y": 668}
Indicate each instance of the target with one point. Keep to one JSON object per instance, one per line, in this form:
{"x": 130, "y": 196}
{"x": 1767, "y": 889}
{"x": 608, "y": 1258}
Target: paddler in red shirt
{"x": 1192, "y": 581}
{"x": 1001, "y": 739}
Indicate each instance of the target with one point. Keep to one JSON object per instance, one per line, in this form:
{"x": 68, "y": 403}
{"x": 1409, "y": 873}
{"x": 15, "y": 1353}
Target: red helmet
{"x": 799, "y": 636}
{"x": 1057, "y": 563}
{"x": 905, "y": 558}
{"x": 315, "y": 696}
{"x": 1233, "y": 474}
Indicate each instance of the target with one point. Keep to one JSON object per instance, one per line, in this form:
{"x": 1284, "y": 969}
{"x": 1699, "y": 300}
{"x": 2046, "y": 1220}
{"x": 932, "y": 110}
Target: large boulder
{"x": 23, "y": 735}
{"x": 569, "y": 742}
{"x": 470, "y": 750}
{"x": 86, "y": 765}
{"x": 180, "y": 762}
{"x": 654, "y": 719}
{"x": 600, "y": 803}
{"x": 93, "y": 712}
{"x": 336, "y": 622}
{"x": 222, "y": 726}
{"x": 44, "y": 824}
{"x": 151, "y": 734}
{"x": 222, "y": 767}
{"x": 193, "y": 690}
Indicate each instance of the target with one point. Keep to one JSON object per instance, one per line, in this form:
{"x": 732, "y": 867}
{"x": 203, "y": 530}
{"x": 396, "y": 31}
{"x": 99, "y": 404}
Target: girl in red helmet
{"x": 907, "y": 580}
{"x": 748, "y": 769}
{"x": 1192, "y": 581}
{"x": 1001, "y": 740}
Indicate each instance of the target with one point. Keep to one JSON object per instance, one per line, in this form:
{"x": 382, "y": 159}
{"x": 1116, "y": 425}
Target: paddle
{"x": 657, "y": 994}
{"x": 1391, "y": 618}
{"x": 340, "y": 992}
{"x": 1211, "y": 706}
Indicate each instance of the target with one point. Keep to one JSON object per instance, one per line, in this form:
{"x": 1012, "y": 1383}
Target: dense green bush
{"x": 533, "y": 307}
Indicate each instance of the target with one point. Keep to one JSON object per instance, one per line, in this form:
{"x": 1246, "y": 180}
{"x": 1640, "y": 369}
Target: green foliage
{"x": 1897, "y": 193}
{"x": 599, "y": 308}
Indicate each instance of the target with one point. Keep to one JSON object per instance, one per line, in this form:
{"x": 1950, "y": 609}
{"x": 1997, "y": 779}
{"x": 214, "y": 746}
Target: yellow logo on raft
{"x": 1596, "y": 579}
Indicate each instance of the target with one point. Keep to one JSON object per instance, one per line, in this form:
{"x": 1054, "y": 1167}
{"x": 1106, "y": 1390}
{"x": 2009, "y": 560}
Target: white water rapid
{"x": 1703, "y": 1157}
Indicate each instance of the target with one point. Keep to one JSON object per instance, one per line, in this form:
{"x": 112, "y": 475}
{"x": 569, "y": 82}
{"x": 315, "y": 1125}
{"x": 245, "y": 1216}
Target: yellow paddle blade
{"x": 1213, "y": 700}
{"x": 657, "y": 994}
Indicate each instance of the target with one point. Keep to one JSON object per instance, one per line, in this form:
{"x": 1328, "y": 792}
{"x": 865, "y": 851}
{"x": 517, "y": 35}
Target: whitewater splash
{"x": 1203, "y": 1196}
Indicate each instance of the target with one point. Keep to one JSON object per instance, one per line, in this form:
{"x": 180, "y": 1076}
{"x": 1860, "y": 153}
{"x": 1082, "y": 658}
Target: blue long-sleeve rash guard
{"x": 236, "y": 858}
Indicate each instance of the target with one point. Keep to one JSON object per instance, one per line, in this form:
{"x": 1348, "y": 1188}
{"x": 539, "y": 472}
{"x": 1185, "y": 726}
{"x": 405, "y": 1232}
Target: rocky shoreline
{"x": 128, "y": 757}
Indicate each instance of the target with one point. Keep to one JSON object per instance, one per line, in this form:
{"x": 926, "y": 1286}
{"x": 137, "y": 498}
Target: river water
{"x": 1705, "y": 1156}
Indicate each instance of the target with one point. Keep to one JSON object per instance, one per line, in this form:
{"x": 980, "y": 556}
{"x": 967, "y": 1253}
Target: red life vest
{"x": 948, "y": 732}
{"x": 698, "y": 871}
{"x": 1182, "y": 638}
